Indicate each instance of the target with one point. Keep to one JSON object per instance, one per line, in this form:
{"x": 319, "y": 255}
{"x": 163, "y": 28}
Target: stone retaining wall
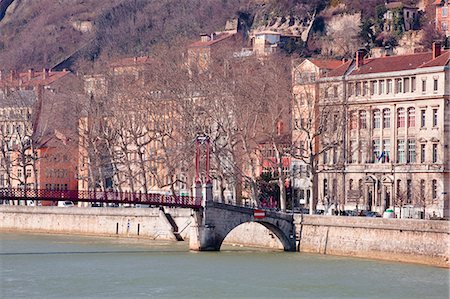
{"x": 418, "y": 241}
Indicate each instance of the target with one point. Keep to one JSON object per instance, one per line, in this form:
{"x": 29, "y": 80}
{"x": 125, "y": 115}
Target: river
{"x": 61, "y": 266}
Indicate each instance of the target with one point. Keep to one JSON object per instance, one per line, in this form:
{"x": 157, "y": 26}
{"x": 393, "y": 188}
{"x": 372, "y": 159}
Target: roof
{"x": 327, "y": 63}
{"x": 18, "y": 98}
{"x": 32, "y": 78}
{"x": 441, "y": 60}
{"x": 130, "y": 61}
{"x": 267, "y": 32}
{"x": 216, "y": 39}
{"x": 398, "y": 4}
{"x": 393, "y": 64}
{"x": 396, "y": 63}
{"x": 340, "y": 71}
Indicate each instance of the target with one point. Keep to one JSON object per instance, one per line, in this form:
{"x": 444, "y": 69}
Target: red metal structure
{"x": 101, "y": 197}
{"x": 202, "y": 140}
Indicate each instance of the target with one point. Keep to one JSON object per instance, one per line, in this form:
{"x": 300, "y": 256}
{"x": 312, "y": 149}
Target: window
{"x": 435, "y": 85}
{"x": 365, "y": 88}
{"x": 376, "y": 119}
{"x": 325, "y": 157}
{"x": 424, "y": 85}
{"x": 325, "y": 187}
{"x": 28, "y": 173}
{"x": 435, "y": 117}
{"x": 411, "y": 117}
{"x": 389, "y": 86}
{"x": 434, "y": 189}
{"x": 351, "y": 89}
{"x": 358, "y": 89}
{"x": 444, "y": 26}
{"x": 335, "y": 155}
{"x": 353, "y": 120}
{"x": 422, "y": 118}
{"x": 411, "y": 151}
{"x": 386, "y": 118}
{"x": 351, "y": 154}
{"x": 409, "y": 193}
{"x": 335, "y": 91}
{"x": 386, "y": 154}
{"x": 400, "y": 118}
{"x": 406, "y": 85}
{"x": 422, "y": 153}
{"x": 401, "y": 151}
{"x": 399, "y": 86}
{"x": 350, "y": 184}
{"x": 399, "y": 189}
{"x": 373, "y": 87}
{"x": 363, "y": 149}
{"x": 362, "y": 119}
{"x": 422, "y": 191}
{"x": 435, "y": 153}
{"x": 325, "y": 91}
{"x": 376, "y": 151}
{"x": 19, "y": 173}
{"x": 444, "y": 11}
{"x": 382, "y": 84}
{"x": 413, "y": 84}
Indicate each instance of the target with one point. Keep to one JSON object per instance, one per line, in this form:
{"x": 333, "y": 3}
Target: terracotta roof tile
{"x": 340, "y": 71}
{"x": 32, "y": 79}
{"x": 441, "y": 60}
{"x": 327, "y": 63}
{"x": 217, "y": 39}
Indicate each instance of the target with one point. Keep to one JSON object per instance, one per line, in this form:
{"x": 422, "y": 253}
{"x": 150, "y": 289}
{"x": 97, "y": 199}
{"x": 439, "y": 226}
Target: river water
{"x": 59, "y": 266}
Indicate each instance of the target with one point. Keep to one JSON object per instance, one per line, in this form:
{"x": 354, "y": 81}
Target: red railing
{"x": 100, "y": 197}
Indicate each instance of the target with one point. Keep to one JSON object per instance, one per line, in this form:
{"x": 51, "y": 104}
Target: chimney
{"x": 436, "y": 48}
{"x": 359, "y": 57}
{"x": 135, "y": 59}
{"x": 13, "y": 75}
{"x": 30, "y": 74}
{"x": 44, "y": 73}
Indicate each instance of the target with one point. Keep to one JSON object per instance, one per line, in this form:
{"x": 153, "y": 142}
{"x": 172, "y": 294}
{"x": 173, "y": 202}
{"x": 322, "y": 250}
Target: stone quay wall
{"x": 126, "y": 222}
{"x": 416, "y": 241}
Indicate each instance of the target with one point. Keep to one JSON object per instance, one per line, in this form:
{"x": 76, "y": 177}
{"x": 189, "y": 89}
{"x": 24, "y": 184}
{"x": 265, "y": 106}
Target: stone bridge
{"x": 212, "y": 223}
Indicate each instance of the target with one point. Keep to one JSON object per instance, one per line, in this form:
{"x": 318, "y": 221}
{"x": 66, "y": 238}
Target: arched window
{"x": 350, "y": 184}
{"x": 400, "y": 118}
{"x": 411, "y": 117}
{"x": 386, "y": 118}
{"x": 376, "y": 119}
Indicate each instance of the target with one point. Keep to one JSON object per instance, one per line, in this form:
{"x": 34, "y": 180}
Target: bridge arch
{"x": 280, "y": 236}
{"x": 218, "y": 220}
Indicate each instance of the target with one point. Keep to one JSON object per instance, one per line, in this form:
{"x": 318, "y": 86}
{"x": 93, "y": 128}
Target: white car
{"x": 65, "y": 204}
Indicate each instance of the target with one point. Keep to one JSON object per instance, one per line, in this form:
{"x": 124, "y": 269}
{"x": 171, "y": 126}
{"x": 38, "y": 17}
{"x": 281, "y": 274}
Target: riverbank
{"x": 413, "y": 241}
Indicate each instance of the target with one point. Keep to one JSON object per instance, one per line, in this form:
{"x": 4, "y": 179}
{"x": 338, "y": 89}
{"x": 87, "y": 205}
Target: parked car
{"x": 65, "y": 204}
{"x": 319, "y": 212}
{"x": 372, "y": 214}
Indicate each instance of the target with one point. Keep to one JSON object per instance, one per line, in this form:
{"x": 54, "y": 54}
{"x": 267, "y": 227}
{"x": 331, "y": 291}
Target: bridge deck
{"x": 100, "y": 197}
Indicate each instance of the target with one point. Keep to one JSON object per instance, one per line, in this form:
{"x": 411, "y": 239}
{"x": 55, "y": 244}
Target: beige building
{"x": 395, "y": 147}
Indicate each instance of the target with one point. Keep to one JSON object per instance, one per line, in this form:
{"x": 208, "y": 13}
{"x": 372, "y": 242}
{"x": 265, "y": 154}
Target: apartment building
{"x": 395, "y": 147}
{"x": 37, "y": 125}
{"x": 443, "y": 16}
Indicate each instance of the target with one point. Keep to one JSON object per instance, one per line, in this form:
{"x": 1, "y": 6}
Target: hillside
{"x": 45, "y": 33}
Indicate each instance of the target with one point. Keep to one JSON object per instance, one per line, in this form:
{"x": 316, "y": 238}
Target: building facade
{"x": 395, "y": 147}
